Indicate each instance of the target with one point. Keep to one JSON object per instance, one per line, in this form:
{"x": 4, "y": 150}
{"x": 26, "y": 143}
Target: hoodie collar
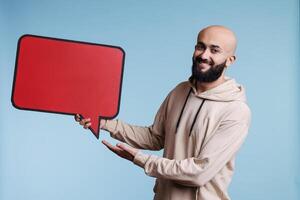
{"x": 230, "y": 90}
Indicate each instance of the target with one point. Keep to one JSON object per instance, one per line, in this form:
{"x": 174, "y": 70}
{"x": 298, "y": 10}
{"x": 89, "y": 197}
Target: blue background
{"x": 48, "y": 156}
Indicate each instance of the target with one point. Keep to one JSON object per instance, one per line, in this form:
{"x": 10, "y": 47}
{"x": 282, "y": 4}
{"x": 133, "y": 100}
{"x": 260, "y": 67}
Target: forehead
{"x": 216, "y": 37}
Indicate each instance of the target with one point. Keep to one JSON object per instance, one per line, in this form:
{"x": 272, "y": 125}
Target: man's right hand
{"x": 86, "y": 122}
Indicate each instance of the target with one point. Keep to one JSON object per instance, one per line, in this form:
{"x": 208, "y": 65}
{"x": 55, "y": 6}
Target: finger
{"x": 122, "y": 146}
{"x": 77, "y": 117}
{"x": 127, "y": 148}
{"x": 84, "y": 121}
{"x": 87, "y": 125}
{"x": 120, "y": 152}
{"x": 102, "y": 122}
{"x": 129, "y": 151}
{"x": 111, "y": 147}
{"x": 107, "y": 144}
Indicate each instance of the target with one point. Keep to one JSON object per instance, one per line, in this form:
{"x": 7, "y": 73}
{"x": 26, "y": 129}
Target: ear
{"x": 230, "y": 60}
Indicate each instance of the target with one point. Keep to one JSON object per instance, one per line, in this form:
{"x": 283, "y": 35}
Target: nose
{"x": 204, "y": 55}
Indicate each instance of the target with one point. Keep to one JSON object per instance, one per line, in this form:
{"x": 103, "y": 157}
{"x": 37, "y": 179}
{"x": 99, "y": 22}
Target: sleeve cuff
{"x": 110, "y": 125}
{"x": 140, "y": 159}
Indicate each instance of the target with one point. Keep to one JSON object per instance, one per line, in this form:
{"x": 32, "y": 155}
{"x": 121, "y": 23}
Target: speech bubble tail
{"x": 95, "y": 126}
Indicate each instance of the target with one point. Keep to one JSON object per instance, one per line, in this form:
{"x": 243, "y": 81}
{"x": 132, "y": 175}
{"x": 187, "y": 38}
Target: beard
{"x": 211, "y": 75}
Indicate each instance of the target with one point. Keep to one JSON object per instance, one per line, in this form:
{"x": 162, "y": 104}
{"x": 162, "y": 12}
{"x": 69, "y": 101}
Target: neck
{"x": 202, "y": 87}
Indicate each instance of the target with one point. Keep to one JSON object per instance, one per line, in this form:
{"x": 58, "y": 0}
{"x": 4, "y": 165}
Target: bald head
{"x": 214, "y": 52}
{"x": 220, "y": 36}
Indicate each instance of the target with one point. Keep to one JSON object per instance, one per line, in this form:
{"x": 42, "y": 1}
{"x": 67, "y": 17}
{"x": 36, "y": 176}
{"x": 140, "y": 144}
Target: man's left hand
{"x": 122, "y": 150}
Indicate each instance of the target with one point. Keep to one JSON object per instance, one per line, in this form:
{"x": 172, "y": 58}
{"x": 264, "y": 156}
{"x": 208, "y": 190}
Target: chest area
{"x": 194, "y": 115}
{"x": 190, "y": 124}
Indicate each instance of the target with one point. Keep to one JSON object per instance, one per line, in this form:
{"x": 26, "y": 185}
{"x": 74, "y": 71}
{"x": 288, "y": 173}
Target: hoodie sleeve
{"x": 150, "y": 138}
{"x": 216, "y": 152}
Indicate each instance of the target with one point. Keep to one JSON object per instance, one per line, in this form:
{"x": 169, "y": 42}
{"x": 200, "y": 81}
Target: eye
{"x": 199, "y": 47}
{"x": 214, "y": 51}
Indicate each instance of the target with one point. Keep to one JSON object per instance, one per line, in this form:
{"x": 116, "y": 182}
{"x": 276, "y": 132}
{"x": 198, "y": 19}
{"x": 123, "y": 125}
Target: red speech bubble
{"x": 68, "y": 77}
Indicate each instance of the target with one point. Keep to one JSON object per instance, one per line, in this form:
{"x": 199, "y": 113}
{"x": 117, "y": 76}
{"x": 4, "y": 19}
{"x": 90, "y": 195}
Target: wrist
{"x": 140, "y": 159}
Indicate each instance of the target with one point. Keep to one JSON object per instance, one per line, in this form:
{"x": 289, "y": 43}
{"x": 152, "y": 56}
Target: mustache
{"x": 200, "y": 60}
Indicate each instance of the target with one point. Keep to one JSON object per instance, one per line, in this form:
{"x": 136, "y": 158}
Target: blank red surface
{"x": 68, "y": 77}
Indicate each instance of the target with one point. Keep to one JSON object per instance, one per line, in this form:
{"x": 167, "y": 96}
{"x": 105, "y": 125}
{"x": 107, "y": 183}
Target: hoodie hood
{"x": 230, "y": 90}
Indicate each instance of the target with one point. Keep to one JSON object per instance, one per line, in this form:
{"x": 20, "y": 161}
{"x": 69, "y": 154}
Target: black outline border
{"x": 96, "y": 133}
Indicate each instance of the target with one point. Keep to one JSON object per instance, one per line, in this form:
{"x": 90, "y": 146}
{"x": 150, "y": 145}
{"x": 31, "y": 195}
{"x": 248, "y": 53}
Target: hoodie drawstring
{"x": 196, "y": 116}
{"x": 194, "y": 121}
{"x": 178, "y": 122}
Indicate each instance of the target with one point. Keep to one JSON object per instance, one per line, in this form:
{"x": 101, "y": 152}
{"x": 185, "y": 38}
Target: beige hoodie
{"x": 200, "y": 134}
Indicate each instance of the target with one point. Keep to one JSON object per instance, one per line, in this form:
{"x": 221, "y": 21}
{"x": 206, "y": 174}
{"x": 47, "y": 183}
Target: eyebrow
{"x": 213, "y": 45}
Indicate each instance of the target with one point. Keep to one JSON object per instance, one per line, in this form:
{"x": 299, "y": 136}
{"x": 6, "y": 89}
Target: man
{"x": 200, "y": 125}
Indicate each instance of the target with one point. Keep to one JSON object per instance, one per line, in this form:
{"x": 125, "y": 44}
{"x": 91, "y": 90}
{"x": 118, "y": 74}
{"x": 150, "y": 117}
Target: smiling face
{"x": 214, "y": 52}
